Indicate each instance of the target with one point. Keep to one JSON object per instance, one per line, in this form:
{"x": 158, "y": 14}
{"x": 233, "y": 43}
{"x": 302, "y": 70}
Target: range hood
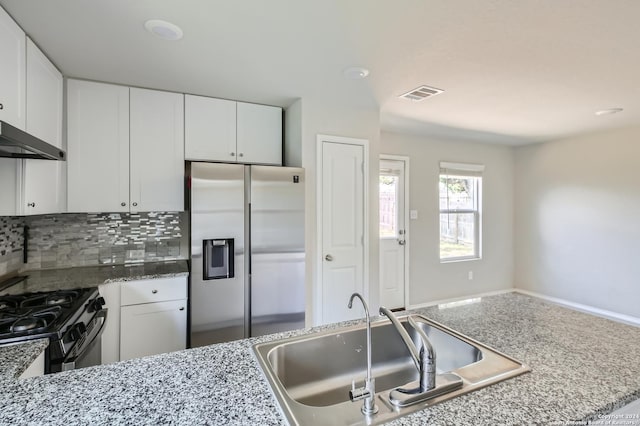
{"x": 16, "y": 143}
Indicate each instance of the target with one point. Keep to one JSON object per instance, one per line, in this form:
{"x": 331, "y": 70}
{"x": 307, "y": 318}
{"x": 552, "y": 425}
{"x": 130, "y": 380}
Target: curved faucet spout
{"x": 403, "y": 333}
{"x": 425, "y": 359}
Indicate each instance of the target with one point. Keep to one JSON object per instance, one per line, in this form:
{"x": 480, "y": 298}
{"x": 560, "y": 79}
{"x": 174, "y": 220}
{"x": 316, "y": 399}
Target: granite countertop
{"x": 92, "y": 276}
{"x": 16, "y": 358}
{"x": 582, "y": 366}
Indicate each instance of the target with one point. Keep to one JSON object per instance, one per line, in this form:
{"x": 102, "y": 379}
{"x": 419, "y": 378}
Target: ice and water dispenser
{"x": 218, "y": 258}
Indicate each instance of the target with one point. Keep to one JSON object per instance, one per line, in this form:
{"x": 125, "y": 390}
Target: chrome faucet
{"x": 425, "y": 359}
{"x": 368, "y": 392}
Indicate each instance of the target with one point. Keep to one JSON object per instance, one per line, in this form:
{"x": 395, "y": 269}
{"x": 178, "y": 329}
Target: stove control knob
{"x": 78, "y": 331}
{"x": 96, "y": 304}
{"x": 82, "y": 327}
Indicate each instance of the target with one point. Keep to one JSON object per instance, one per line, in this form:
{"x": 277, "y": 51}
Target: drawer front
{"x": 154, "y": 290}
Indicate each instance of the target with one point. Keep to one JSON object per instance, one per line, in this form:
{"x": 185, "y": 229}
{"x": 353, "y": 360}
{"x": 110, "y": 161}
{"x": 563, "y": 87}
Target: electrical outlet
{"x": 470, "y": 275}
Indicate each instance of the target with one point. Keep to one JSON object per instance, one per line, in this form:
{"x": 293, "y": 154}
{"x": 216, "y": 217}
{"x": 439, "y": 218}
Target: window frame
{"x": 460, "y": 170}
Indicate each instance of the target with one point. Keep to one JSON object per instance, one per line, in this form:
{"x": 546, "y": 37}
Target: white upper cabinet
{"x": 42, "y": 180}
{"x": 12, "y": 103}
{"x": 125, "y": 148}
{"x": 210, "y": 129}
{"x": 12, "y": 72}
{"x": 97, "y": 147}
{"x": 232, "y": 132}
{"x": 259, "y": 129}
{"x": 157, "y": 150}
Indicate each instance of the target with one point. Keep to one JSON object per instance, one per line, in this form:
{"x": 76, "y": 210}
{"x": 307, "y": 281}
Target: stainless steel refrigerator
{"x": 247, "y": 251}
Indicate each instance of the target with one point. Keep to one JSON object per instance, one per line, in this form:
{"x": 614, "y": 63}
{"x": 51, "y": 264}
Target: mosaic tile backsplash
{"x": 11, "y": 241}
{"x": 81, "y": 239}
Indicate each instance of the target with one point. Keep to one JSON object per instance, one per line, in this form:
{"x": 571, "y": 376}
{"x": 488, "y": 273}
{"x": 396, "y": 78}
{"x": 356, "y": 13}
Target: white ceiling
{"x": 513, "y": 71}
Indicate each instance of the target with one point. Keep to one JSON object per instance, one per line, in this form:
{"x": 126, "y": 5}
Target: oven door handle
{"x": 69, "y": 363}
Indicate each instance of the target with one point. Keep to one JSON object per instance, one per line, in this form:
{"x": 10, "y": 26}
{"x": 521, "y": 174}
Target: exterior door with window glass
{"x": 392, "y": 233}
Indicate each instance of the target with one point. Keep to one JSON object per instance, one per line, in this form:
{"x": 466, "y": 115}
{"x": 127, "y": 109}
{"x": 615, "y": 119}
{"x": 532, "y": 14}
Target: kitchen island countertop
{"x": 583, "y": 367}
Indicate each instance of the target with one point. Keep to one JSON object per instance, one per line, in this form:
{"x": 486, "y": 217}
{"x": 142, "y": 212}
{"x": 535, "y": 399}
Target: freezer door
{"x": 217, "y": 213}
{"x": 277, "y": 249}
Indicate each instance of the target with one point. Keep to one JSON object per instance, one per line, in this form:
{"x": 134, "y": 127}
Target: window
{"x": 388, "y": 205}
{"x": 460, "y": 190}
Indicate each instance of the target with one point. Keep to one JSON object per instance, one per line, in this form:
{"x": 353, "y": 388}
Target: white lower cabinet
{"x": 153, "y": 317}
{"x": 152, "y": 328}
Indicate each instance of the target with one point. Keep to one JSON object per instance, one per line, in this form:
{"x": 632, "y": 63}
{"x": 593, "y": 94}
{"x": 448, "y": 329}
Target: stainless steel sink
{"x": 311, "y": 375}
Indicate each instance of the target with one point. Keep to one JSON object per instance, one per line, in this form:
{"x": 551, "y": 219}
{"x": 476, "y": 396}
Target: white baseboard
{"x": 627, "y": 319}
{"x": 458, "y": 299}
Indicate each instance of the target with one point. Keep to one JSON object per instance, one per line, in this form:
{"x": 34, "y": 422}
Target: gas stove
{"x": 71, "y": 319}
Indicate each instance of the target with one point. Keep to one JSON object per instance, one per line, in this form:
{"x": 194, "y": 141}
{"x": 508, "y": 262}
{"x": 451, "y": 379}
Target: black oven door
{"x": 87, "y": 351}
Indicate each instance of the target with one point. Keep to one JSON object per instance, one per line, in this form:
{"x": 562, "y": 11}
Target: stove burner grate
{"x": 58, "y": 298}
{"x": 33, "y": 320}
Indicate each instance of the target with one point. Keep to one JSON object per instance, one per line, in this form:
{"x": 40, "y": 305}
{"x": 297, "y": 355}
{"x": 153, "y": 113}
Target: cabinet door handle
{"x": 1, "y": 106}
{"x": 241, "y": 155}
{"x": 31, "y": 204}
{"x": 123, "y": 204}
{"x": 233, "y": 154}
{"x": 154, "y": 291}
{"x": 182, "y": 308}
{"x": 135, "y": 204}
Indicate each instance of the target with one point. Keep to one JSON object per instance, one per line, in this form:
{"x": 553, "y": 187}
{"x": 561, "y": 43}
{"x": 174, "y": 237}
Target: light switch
{"x": 413, "y": 214}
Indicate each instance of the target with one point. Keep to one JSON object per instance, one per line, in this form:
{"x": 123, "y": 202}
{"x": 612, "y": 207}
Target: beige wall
{"x": 335, "y": 120}
{"x": 578, "y": 220}
{"x": 431, "y": 280}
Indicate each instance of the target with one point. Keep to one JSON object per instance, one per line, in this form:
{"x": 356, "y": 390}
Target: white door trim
{"x": 407, "y": 249}
{"x": 320, "y": 139}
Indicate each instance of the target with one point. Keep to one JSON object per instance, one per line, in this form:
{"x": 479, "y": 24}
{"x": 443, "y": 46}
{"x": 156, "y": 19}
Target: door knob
{"x": 328, "y": 258}
{"x": 401, "y": 242}
{"x": 31, "y": 204}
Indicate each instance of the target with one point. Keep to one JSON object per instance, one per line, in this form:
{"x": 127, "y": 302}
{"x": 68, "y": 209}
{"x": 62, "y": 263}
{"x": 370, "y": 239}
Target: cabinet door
{"x": 12, "y": 72}
{"x": 97, "y": 147}
{"x": 12, "y": 103}
{"x": 210, "y": 129}
{"x": 259, "y": 134}
{"x": 41, "y": 180}
{"x": 152, "y": 328}
{"x": 157, "y": 151}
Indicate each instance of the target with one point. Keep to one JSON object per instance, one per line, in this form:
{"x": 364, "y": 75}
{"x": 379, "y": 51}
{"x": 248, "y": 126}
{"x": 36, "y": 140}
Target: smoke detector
{"x": 421, "y": 93}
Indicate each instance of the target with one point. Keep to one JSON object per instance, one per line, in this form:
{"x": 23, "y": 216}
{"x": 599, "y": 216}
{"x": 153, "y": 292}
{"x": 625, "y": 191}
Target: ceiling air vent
{"x": 421, "y": 93}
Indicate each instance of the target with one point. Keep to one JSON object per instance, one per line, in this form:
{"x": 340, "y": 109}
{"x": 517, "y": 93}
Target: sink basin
{"x": 311, "y": 375}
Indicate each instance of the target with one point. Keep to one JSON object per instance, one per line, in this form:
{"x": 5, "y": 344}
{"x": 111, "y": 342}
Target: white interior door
{"x": 343, "y": 229}
{"x": 393, "y": 233}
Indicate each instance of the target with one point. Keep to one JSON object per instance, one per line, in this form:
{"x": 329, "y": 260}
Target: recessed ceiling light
{"x": 163, "y": 29}
{"x": 355, "y": 73}
{"x": 609, "y": 111}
